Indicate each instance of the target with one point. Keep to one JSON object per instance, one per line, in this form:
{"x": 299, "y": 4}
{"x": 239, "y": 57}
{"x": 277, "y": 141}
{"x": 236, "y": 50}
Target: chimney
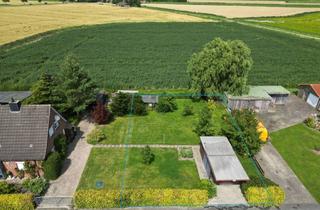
{"x": 14, "y": 105}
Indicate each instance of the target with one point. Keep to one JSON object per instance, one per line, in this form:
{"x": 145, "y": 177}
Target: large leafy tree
{"x": 75, "y": 86}
{"x": 44, "y": 91}
{"x": 242, "y": 133}
{"x": 221, "y": 66}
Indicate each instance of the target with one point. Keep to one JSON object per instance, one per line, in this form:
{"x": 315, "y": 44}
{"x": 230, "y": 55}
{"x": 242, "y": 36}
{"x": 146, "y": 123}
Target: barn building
{"x": 311, "y": 94}
{"x": 259, "y": 98}
{"x": 220, "y": 161}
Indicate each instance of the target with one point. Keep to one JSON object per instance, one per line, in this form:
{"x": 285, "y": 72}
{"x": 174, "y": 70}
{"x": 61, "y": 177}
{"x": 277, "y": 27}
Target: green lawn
{"x": 308, "y": 23}
{"x": 161, "y": 128}
{"x": 155, "y": 55}
{"x": 295, "y": 144}
{"x": 106, "y": 165}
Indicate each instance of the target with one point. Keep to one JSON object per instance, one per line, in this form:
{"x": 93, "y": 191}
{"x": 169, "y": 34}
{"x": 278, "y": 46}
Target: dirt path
{"x": 277, "y": 170}
{"x": 236, "y": 11}
{"x": 253, "y": 2}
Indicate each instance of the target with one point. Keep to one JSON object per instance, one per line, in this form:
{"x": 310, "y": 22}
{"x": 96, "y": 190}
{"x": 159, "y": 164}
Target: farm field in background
{"x": 308, "y": 23}
{"x": 167, "y": 171}
{"x": 296, "y": 145}
{"x": 235, "y": 11}
{"x": 18, "y": 22}
{"x": 160, "y": 128}
{"x": 155, "y": 55}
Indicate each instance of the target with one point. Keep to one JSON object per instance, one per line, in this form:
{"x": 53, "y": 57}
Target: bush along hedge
{"x": 16, "y": 201}
{"x": 263, "y": 192}
{"x": 52, "y": 166}
{"x": 140, "y": 197}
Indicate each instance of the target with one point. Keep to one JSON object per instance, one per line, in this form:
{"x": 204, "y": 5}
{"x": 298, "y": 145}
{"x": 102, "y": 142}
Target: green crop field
{"x": 155, "y": 55}
{"x": 308, "y": 23}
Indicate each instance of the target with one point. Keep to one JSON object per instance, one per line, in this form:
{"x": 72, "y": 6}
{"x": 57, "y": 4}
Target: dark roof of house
{"x": 6, "y": 96}
{"x": 24, "y": 134}
{"x": 150, "y": 99}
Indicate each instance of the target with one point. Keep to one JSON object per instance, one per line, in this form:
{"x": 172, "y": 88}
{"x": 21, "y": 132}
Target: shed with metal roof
{"x": 220, "y": 160}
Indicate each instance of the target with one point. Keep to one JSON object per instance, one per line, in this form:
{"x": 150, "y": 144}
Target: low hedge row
{"x": 262, "y": 192}
{"x": 140, "y": 197}
{"x": 265, "y": 197}
{"x": 16, "y": 201}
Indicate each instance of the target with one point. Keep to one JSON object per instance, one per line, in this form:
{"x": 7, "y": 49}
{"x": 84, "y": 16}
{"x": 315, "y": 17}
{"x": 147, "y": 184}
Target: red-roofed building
{"x": 311, "y": 94}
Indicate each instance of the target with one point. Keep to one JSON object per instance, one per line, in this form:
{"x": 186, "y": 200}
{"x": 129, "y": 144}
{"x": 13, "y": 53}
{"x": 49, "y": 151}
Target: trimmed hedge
{"x": 52, "y": 166}
{"x": 262, "y": 193}
{"x": 140, "y": 197}
{"x": 265, "y": 197}
{"x": 16, "y": 201}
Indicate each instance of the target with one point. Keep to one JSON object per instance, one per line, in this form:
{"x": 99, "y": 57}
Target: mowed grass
{"x": 295, "y": 144}
{"x": 18, "y": 22}
{"x": 155, "y": 55}
{"x": 308, "y": 23}
{"x": 160, "y": 128}
{"x": 107, "y": 166}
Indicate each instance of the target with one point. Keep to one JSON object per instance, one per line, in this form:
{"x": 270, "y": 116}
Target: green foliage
{"x": 44, "y": 90}
{"x": 221, "y": 66}
{"x": 187, "y": 110}
{"x": 147, "y": 155}
{"x": 186, "y": 152}
{"x": 5, "y": 1}
{"x": 76, "y": 88}
{"x": 139, "y": 107}
{"x": 121, "y": 104}
{"x": 16, "y": 201}
{"x": 210, "y": 187}
{"x": 270, "y": 51}
{"x": 61, "y": 145}
{"x": 52, "y": 166}
{"x": 36, "y": 186}
{"x": 7, "y": 188}
{"x": 256, "y": 181}
{"x": 30, "y": 168}
{"x": 166, "y": 104}
{"x": 310, "y": 122}
{"x": 140, "y": 197}
{"x": 204, "y": 126}
{"x": 246, "y": 140}
{"x": 96, "y": 136}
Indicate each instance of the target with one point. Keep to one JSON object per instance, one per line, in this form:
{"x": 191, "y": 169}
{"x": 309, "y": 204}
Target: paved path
{"x": 198, "y": 160}
{"x": 277, "y": 170}
{"x": 60, "y": 192}
{"x": 230, "y": 195}
{"x": 295, "y": 111}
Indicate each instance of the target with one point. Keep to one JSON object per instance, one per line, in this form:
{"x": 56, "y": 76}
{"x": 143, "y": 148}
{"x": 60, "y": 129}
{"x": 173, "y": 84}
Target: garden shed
{"x": 259, "y": 98}
{"x": 311, "y": 94}
{"x": 150, "y": 99}
{"x": 220, "y": 160}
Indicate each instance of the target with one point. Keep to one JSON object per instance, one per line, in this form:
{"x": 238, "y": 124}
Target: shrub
{"x": 205, "y": 126}
{"x": 245, "y": 141}
{"x": 186, "y": 153}
{"x": 310, "y": 122}
{"x": 265, "y": 197}
{"x": 262, "y": 192}
{"x": 166, "y": 104}
{"x": 36, "y": 186}
{"x": 96, "y": 136}
{"x": 187, "y": 110}
{"x": 120, "y": 104}
{"x": 100, "y": 114}
{"x": 16, "y": 201}
{"x": 140, "y": 197}
{"x": 7, "y": 188}
{"x": 210, "y": 187}
{"x": 139, "y": 107}
{"x": 5, "y": 1}
{"x": 30, "y": 168}
{"x": 61, "y": 145}
{"x": 147, "y": 155}
{"x": 52, "y": 166}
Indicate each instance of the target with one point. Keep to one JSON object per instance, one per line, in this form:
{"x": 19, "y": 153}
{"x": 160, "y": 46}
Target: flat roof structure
{"x": 6, "y": 96}
{"x": 150, "y": 99}
{"x": 262, "y": 92}
{"x": 223, "y": 161}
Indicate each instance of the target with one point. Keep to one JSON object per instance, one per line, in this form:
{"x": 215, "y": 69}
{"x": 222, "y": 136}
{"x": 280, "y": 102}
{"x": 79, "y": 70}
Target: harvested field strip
{"x": 236, "y": 11}
{"x": 155, "y": 55}
{"x": 17, "y": 22}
